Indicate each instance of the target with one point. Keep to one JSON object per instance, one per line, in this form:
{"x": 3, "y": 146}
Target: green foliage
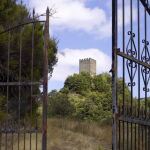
{"x": 90, "y": 97}
{"x": 52, "y": 59}
{"x": 127, "y": 93}
{"x": 59, "y": 105}
{"x": 79, "y": 82}
{"x": 2, "y": 106}
{"x": 12, "y": 13}
{"x": 102, "y": 83}
{"x": 86, "y": 108}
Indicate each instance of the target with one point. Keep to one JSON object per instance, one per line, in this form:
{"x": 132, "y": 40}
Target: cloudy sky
{"x": 83, "y": 29}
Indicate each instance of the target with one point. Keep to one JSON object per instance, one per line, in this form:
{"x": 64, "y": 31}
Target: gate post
{"x": 114, "y": 75}
{"x": 45, "y": 83}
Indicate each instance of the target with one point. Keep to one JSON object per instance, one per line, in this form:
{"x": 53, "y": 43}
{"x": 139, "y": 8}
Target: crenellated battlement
{"x": 86, "y": 59}
{"x": 87, "y": 65}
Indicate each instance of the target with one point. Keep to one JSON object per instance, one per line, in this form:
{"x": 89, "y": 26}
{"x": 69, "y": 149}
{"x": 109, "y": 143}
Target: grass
{"x": 65, "y": 134}
{"x": 74, "y": 135}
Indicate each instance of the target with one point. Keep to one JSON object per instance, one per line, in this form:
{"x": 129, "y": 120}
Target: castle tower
{"x": 87, "y": 65}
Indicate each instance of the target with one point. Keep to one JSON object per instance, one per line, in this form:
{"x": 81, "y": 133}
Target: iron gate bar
{"x": 135, "y": 121}
{"x": 19, "y": 89}
{"x": 131, "y": 48}
{"x": 31, "y": 88}
{"x": 20, "y": 83}
{"x": 139, "y": 51}
{"x": 146, "y": 5}
{"x": 45, "y": 82}
{"x": 20, "y": 25}
{"x": 135, "y": 138}
{"x": 146, "y": 78}
{"x": 8, "y": 66}
{"x": 20, "y": 131}
{"x": 114, "y": 75}
{"x": 132, "y": 59}
{"x": 123, "y": 66}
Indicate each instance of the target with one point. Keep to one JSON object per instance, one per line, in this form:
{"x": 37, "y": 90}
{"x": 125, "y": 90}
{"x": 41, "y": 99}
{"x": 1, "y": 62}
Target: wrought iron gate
{"x": 131, "y": 66}
{"x": 23, "y": 126}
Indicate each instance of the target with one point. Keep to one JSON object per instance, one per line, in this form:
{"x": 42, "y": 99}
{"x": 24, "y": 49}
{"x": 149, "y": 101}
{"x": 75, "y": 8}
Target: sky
{"x": 83, "y": 30}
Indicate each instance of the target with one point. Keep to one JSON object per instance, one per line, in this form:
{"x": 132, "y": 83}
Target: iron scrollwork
{"x": 145, "y": 57}
{"x": 131, "y": 51}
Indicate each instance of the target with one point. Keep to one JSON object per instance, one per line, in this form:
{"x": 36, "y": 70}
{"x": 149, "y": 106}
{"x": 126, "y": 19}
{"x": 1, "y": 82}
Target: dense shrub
{"x": 84, "y": 97}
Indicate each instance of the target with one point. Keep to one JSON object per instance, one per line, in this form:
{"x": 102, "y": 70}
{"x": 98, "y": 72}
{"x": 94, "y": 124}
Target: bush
{"x": 85, "y": 98}
{"x": 59, "y": 105}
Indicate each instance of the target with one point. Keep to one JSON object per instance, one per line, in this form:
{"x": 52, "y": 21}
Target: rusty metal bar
{"x": 119, "y": 136}
{"x": 32, "y": 69}
{"x": 148, "y": 138}
{"x": 19, "y": 90}
{"x": 20, "y": 83}
{"x": 135, "y": 121}
{"x": 114, "y": 75}
{"x": 12, "y": 141}
{"x": 24, "y": 136}
{"x": 135, "y": 137}
{"x": 132, "y": 59}
{"x": 0, "y": 141}
{"x": 8, "y": 67}
{"x": 131, "y": 47}
{"x": 20, "y": 131}
{"x": 146, "y": 5}
{"x": 20, "y": 25}
{"x": 123, "y": 73}
{"x": 45, "y": 83}
{"x": 139, "y": 51}
{"x": 146, "y": 61}
{"x": 139, "y": 137}
{"x": 32, "y": 61}
{"x": 36, "y": 136}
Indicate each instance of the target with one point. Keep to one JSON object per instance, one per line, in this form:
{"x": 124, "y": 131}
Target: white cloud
{"x": 68, "y": 62}
{"x": 74, "y": 15}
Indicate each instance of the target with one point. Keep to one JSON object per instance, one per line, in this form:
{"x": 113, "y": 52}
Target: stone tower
{"x": 87, "y": 65}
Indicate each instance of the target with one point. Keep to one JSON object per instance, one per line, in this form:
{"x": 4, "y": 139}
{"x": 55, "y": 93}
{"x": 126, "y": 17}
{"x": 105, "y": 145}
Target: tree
{"x": 13, "y": 13}
{"x": 90, "y": 97}
{"x": 86, "y": 108}
{"x": 102, "y": 83}
{"x": 79, "y": 82}
{"x": 59, "y": 105}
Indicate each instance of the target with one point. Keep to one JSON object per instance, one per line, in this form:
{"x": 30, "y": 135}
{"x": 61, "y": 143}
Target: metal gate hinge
{"x": 116, "y": 50}
{"x": 117, "y": 115}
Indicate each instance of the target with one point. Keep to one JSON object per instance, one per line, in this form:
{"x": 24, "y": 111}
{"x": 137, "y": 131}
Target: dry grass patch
{"x": 73, "y": 135}
{"x": 64, "y": 134}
